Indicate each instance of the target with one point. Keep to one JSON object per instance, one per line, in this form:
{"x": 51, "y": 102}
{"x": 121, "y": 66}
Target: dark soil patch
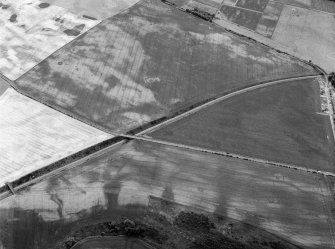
{"x": 72, "y": 32}
{"x": 4, "y": 6}
{"x": 13, "y": 18}
{"x": 202, "y": 14}
{"x": 43, "y": 5}
{"x": 89, "y": 17}
{"x": 75, "y": 31}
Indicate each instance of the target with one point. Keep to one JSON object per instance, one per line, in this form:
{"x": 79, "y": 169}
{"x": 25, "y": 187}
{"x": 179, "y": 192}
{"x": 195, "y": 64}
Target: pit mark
{"x": 43, "y": 5}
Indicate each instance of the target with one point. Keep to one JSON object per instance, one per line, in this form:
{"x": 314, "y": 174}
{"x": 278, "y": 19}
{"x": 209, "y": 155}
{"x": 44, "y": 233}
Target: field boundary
{"x": 156, "y": 124}
{"x": 251, "y": 35}
{"x": 227, "y": 154}
{"x": 99, "y": 21}
{"x": 54, "y": 168}
{"x": 119, "y": 139}
{"x": 216, "y": 100}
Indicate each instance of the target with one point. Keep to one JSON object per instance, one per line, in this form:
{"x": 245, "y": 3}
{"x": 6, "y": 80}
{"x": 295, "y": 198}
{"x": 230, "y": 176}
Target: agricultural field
{"x": 259, "y": 16}
{"x": 213, "y": 3}
{"x": 258, "y": 5}
{"x": 3, "y": 86}
{"x": 248, "y": 164}
{"x": 280, "y": 123}
{"x": 33, "y": 136}
{"x": 100, "y": 10}
{"x": 119, "y": 75}
{"x": 303, "y": 29}
{"x": 321, "y": 5}
{"x": 31, "y": 30}
{"x": 291, "y": 204}
{"x": 293, "y": 26}
{"x": 246, "y": 18}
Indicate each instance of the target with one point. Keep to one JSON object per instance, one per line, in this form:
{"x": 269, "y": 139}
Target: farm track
{"x": 141, "y": 135}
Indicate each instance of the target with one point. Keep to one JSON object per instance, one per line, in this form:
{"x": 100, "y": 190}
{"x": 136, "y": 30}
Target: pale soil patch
{"x": 32, "y": 30}
{"x": 97, "y": 9}
{"x": 33, "y": 136}
{"x": 310, "y": 33}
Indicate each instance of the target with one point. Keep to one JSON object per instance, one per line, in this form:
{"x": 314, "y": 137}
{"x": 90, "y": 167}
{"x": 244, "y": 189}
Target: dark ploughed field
{"x": 279, "y": 123}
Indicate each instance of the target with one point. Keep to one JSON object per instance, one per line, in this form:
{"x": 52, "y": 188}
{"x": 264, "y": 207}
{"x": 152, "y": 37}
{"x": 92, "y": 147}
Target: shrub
{"x": 192, "y": 220}
{"x": 217, "y": 241}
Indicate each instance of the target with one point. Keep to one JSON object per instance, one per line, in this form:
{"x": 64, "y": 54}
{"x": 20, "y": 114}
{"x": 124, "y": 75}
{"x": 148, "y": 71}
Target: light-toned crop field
{"x": 303, "y": 29}
{"x": 291, "y": 204}
{"x": 145, "y": 63}
{"x": 321, "y": 5}
{"x": 95, "y": 9}
{"x": 33, "y": 135}
{"x": 31, "y": 30}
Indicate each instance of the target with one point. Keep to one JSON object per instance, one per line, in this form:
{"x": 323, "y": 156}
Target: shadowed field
{"x": 291, "y": 204}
